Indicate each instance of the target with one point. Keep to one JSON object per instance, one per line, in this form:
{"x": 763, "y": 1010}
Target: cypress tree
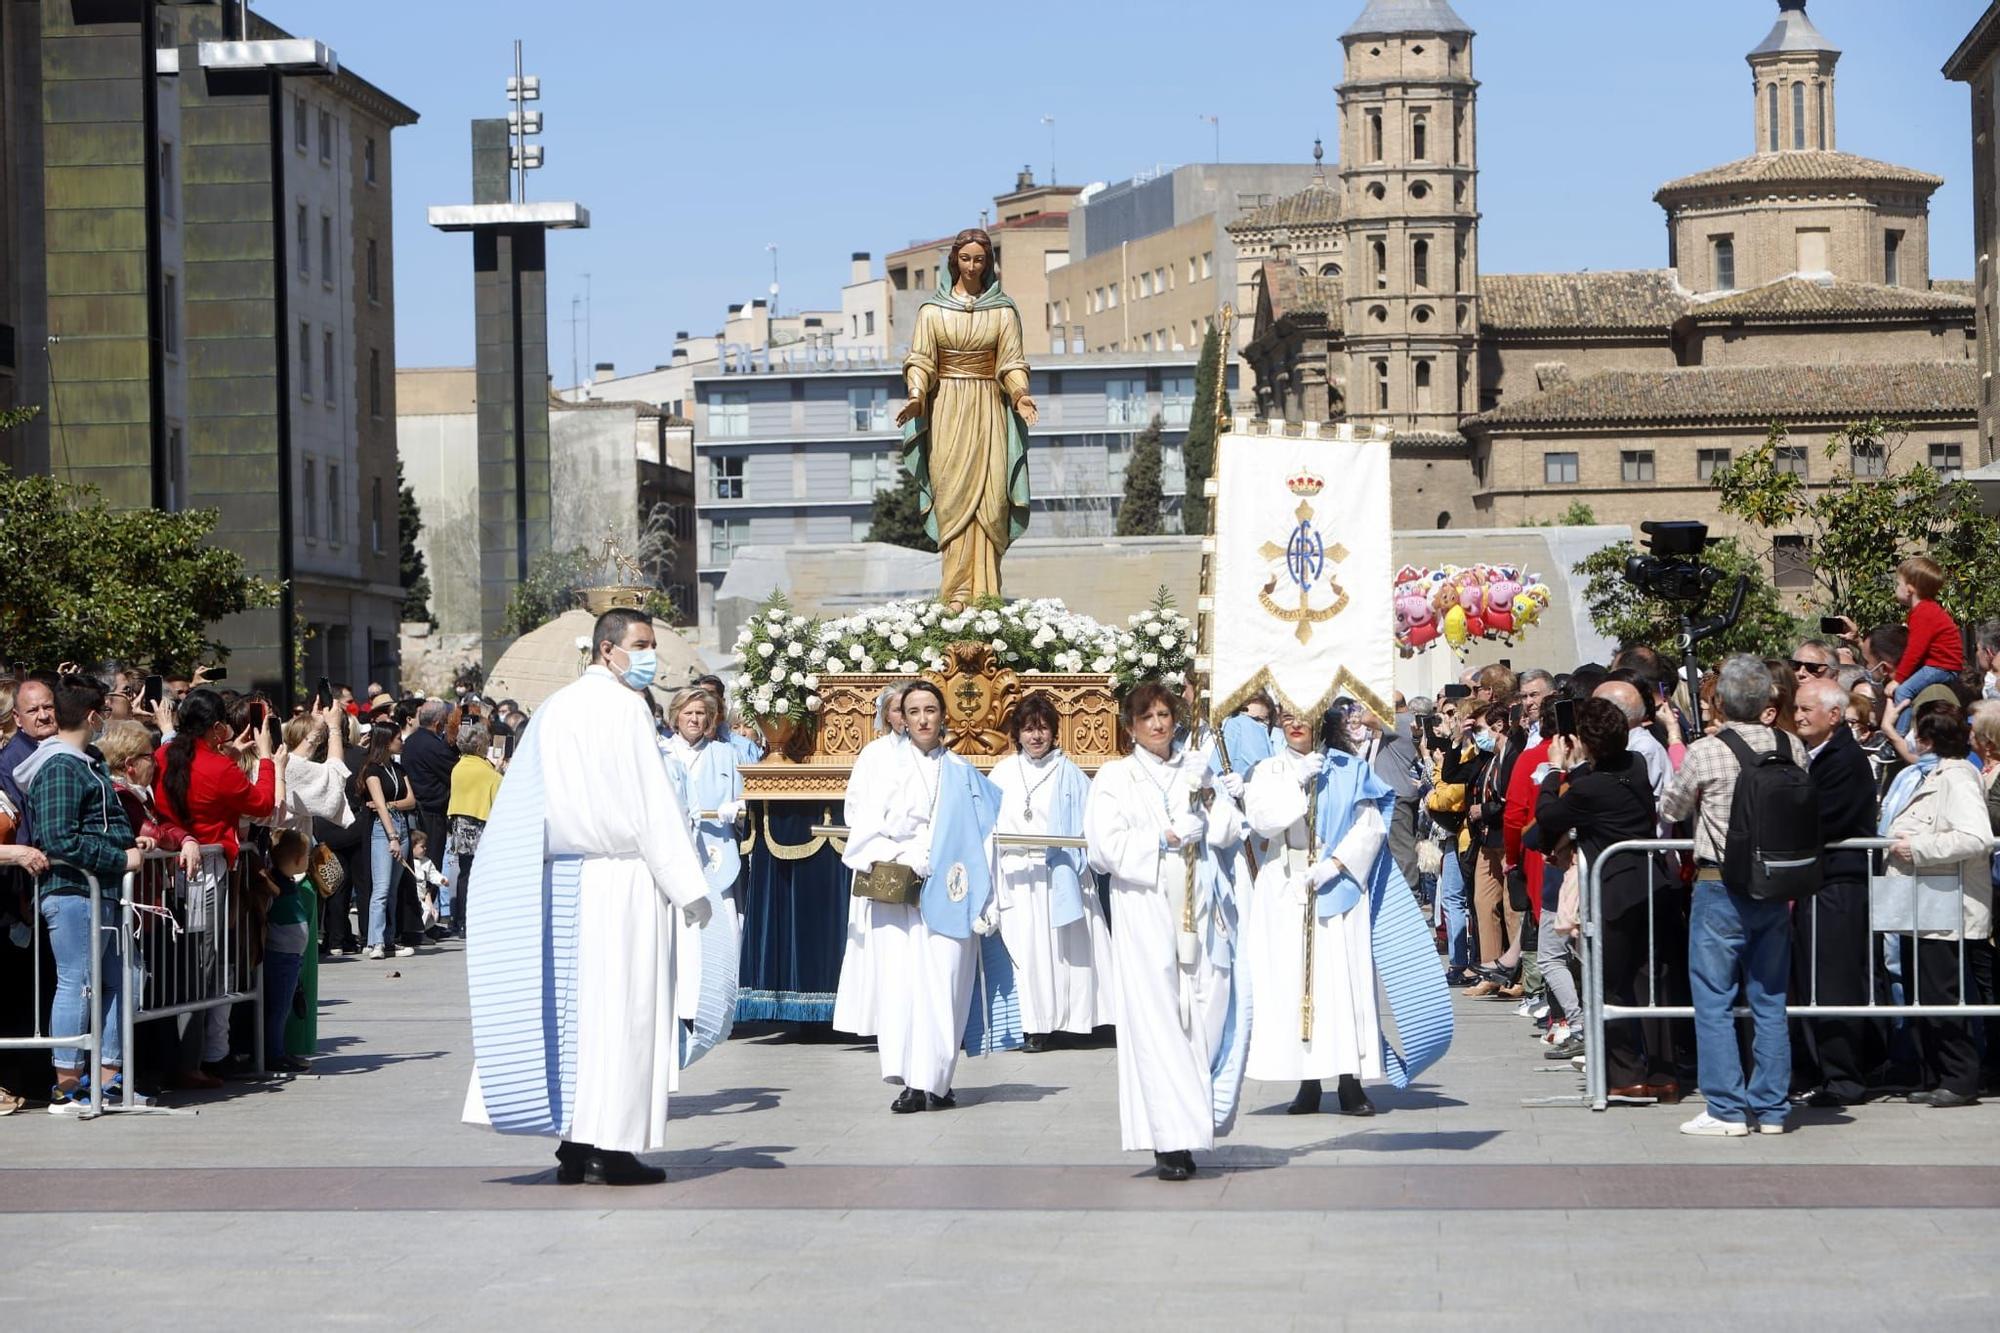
{"x": 1139, "y": 513}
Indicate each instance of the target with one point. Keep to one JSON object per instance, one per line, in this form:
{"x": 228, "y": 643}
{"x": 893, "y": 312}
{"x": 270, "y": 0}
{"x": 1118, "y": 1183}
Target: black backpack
{"x": 1774, "y": 846}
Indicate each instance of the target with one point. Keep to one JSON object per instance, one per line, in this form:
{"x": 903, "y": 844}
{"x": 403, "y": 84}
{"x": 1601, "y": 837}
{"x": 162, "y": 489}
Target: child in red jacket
{"x": 1936, "y": 654}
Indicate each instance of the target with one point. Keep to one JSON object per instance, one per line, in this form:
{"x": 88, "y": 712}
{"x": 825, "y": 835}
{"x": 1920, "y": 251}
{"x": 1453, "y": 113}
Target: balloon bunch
{"x": 1460, "y": 604}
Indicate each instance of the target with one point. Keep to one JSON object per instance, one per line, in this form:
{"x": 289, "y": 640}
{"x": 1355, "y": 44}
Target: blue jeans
{"x": 1920, "y": 680}
{"x": 1457, "y": 907}
{"x": 67, "y": 918}
{"x": 383, "y": 872}
{"x": 448, "y": 895}
{"x": 281, "y": 980}
{"x": 1736, "y": 942}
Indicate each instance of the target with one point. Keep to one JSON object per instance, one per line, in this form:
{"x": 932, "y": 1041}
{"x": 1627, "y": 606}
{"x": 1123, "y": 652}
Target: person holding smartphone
{"x": 384, "y": 794}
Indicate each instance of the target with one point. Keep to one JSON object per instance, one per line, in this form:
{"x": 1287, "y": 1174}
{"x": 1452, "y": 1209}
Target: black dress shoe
{"x": 1945, "y": 1097}
{"x": 570, "y": 1158}
{"x": 1035, "y": 1041}
{"x": 948, "y": 1102}
{"x": 1353, "y": 1101}
{"x": 1307, "y": 1102}
{"x": 1174, "y": 1165}
{"x": 604, "y": 1167}
{"x": 907, "y": 1101}
{"x": 1820, "y": 1099}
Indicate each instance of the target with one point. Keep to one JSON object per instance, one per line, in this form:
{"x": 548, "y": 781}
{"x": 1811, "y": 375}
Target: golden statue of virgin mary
{"x": 965, "y": 428}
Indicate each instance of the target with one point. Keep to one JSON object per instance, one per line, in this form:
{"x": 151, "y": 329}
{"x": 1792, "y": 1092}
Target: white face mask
{"x": 1992, "y": 690}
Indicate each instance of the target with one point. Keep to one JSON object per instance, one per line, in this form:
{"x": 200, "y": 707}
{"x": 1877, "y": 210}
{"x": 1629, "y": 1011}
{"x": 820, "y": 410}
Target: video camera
{"x": 1673, "y": 571}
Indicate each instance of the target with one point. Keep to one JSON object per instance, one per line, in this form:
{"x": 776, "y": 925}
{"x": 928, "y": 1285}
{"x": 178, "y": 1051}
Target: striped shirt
{"x": 1705, "y": 786}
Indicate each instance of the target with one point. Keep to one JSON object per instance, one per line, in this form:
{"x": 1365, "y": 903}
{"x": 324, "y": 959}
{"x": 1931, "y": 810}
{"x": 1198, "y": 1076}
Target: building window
{"x": 1420, "y": 138}
{"x": 1820, "y": 90}
{"x": 1559, "y": 469}
{"x": 1867, "y": 458}
{"x": 1191, "y": 277}
{"x": 375, "y": 515}
{"x": 1374, "y": 149}
{"x": 305, "y": 243}
{"x": 1812, "y": 249}
{"x": 1207, "y": 260}
{"x": 170, "y": 313}
{"x": 1892, "y": 268}
{"x": 373, "y": 272}
{"x": 1722, "y": 250}
{"x": 869, "y": 473}
{"x": 725, "y": 476}
{"x": 868, "y": 323}
{"x": 176, "y": 468}
{"x": 1177, "y": 394}
{"x": 375, "y": 382}
{"x": 299, "y": 122}
{"x": 1378, "y": 251}
{"x": 336, "y": 529}
{"x": 1771, "y": 114}
{"x": 1798, "y": 115}
{"x": 869, "y": 409}
{"x": 368, "y": 159}
{"x": 325, "y": 135}
{"x": 1420, "y": 262}
{"x": 1790, "y": 458}
{"x": 1381, "y": 386}
{"x": 1162, "y": 280}
{"x": 305, "y": 360}
{"x": 1948, "y": 461}
{"x": 326, "y": 249}
{"x": 1145, "y": 284}
{"x": 724, "y": 536}
{"x": 859, "y": 527}
{"x": 1791, "y": 566}
{"x": 1423, "y": 386}
{"x": 327, "y": 364}
{"x": 169, "y": 203}
{"x": 1125, "y": 402}
{"x": 1635, "y": 465}
{"x": 729, "y": 413}
{"x": 310, "y": 479}
{"x": 1111, "y": 296}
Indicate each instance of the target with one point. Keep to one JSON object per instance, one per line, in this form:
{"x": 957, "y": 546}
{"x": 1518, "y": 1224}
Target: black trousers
{"x": 1641, "y": 1050}
{"x": 1949, "y": 1053}
{"x": 1830, "y": 951}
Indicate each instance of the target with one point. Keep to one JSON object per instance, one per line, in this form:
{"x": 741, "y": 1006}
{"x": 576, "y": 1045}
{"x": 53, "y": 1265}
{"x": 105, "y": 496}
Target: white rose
{"x": 781, "y": 706}
{"x": 867, "y": 666}
{"x": 1168, "y": 641}
{"x": 1130, "y": 654}
{"x": 1149, "y": 659}
{"x": 835, "y": 664}
{"x": 1101, "y": 665}
{"x": 816, "y": 656}
{"x": 1000, "y": 644}
{"x": 766, "y": 649}
{"x": 795, "y": 649}
{"x": 898, "y": 639}
{"x": 812, "y": 703}
{"x": 798, "y": 678}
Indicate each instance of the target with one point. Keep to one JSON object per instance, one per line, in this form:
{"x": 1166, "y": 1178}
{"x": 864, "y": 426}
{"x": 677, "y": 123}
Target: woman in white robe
{"x": 709, "y": 783}
{"x": 1173, "y": 991}
{"x": 1062, "y": 972}
{"x": 921, "y": 980}
{"x": 1346, "y": 1041}
{"x": 854, "y": 993}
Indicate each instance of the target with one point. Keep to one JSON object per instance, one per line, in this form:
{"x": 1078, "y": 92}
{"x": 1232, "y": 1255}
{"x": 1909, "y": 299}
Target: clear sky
{"x": 698, "y": 133}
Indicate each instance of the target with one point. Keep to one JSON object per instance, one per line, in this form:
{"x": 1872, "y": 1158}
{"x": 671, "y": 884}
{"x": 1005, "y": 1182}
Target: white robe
{"x": 854, "y": 993}
{"x": 917, "y": 982}
{"x": 610, "y": 801}
{"x": 687, "y": 944}
{"x": 1166, "y": 1091}
{"x": 1347, "y": 1026}
{"x": 1063, "y": 975}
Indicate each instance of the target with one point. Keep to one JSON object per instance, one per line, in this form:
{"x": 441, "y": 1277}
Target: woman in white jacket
{"x": 1940, "y": 832}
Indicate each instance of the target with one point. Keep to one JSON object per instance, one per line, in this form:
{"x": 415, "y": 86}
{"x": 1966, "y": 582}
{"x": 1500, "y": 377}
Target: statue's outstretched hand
{"x": 911, "y": 410}
{"x": 1026, "y": 407}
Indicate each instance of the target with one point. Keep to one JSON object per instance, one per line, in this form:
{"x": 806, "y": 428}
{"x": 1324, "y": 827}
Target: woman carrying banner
{"x": 1156, "y": 822}
{"x": 1051, "y": 919}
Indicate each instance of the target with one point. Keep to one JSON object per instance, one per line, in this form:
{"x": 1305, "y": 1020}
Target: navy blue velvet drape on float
{"x": 794, "y": 898}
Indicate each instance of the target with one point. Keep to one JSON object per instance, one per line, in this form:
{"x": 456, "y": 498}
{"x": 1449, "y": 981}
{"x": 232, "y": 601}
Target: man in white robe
{"x": 1346, "y": 1036}
{"x": 585, "y": 860}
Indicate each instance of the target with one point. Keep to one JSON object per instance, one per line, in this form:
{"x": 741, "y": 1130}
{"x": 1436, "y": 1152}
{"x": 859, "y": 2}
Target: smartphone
{"x": 1514, "y": 715}
{"x": 214, "y": 673}
{"x": 1456, "y": 692}
{"x": 1565, "y": 717}
{"x": 323, "y": 695}
{"x": 154, "y": 690}
{"x": 1832, "y": 625}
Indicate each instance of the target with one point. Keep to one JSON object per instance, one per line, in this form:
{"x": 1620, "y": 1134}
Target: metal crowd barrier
{"x": 91, "y": 1041}
{"x": 186, "y": 949}
{"x": 1597, "y": 1011}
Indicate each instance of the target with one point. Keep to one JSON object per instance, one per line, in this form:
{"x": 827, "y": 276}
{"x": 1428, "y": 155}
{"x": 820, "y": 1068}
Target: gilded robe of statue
{"x": 969, "y": 448}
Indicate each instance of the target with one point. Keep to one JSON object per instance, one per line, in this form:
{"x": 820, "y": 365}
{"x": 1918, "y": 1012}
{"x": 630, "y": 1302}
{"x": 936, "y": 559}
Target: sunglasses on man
{"x": 1811, "y": 668}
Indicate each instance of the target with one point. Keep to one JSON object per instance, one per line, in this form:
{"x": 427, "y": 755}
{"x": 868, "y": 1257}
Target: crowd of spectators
{"x": 259, "y": 845}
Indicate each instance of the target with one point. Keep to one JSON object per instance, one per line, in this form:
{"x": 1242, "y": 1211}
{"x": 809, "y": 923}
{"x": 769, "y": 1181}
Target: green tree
{"x": 1860, "y": 525}
{"x": 1139, "y": 512}
{"x": 555, "y": 578}
{"x": 82, "y": 582}
{"x": 1578, "y": 515}
{"x": 1621, "y": 612}
{"x": 416, "y": 578}
{"x": 1198, "y": 452}
{"x": 898, "y": 516}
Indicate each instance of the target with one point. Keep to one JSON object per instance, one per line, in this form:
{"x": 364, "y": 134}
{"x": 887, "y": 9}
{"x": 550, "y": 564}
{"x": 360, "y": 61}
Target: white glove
{"x": 922, "y": 863}
{"x": 1311, "y": 765}
{"x": 1195, "y": 763}
{"x": 1188, "y": 826}
{"x": 905, "y": 826}
{"x": 697, "y": 913}
{"x": 729, "y": 812}
{"x": 1233, "y": 784}
{"x": 1323, "y": 870}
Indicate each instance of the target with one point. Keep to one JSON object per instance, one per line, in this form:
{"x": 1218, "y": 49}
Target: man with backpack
{"x": 1757, "y": 847}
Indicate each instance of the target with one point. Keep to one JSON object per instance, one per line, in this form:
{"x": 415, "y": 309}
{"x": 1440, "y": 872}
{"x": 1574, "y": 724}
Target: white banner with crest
{"x": 1301, "y": 576}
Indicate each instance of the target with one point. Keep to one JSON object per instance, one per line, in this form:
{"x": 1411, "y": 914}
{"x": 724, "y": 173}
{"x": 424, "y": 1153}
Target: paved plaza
{"x": 354, "y": 1196}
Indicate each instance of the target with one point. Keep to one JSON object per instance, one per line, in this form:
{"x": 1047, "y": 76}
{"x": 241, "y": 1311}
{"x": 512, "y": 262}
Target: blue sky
{"x": 697, "y": 134}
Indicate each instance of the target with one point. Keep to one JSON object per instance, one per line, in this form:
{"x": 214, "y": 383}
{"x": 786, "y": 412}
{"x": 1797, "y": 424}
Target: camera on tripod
{"x": 1673, "y": 571}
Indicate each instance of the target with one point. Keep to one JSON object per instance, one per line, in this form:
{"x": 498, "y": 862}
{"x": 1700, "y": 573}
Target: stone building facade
{"x": 1976, "y": 62}
{"x": 1797, "y": 291}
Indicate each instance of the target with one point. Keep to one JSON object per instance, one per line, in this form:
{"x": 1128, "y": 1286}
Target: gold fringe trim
{"x": 1344, "y": 682}
{"x": 799, "y": 851}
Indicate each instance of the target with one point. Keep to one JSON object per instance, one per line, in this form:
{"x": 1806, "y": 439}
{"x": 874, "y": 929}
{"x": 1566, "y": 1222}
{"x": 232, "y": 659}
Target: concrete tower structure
{"x": 1410, "y": 218}
{"x": 1791, "y": 76}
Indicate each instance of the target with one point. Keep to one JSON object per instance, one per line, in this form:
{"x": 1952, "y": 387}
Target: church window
{"x": 1381, "y": 386}
{"x": 1723, "y": 250}
{"x": 1374, "y": 136}
{"x": 1559, "y": 469}
{"x": 1420, "y": 190}
{"x": 1422, "y": 314}
{"x": 1329, "y": 270}
{"x": 1948, "y": 460}
{"x": 1708, "y": 462}
{"x": 1420, "y": 147}
{"x": 1375, "y": 190}
{"x": 1379, "y": 251}
{"x": 1791, "y": 564}
{"x": 1420, "y": 263}
{"x": 1379, "y": 313}
{"x": 1798, "y": 115}
{"x": 1820, "y": 92}
{"x": 1771, "y": 115}
{"x": 1635, "y": 465}
{"x": 1892, "y": 269}
{"x": 1867, "y": 458}
{"x": 1423, "y": 386}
